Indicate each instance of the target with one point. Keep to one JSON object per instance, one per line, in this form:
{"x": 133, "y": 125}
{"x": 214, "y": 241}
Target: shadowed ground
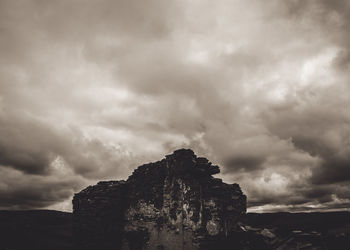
{"x": 51, "y": 230}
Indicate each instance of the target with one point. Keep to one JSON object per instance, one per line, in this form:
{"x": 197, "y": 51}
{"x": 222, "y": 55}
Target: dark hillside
{"x": 35, "y": 229}
{"x": 52, "y": 230}
{"x": 329, "y": 230}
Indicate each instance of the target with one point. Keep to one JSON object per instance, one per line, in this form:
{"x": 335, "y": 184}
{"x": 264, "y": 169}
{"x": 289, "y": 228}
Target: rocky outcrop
{"x": 174, "y": 203}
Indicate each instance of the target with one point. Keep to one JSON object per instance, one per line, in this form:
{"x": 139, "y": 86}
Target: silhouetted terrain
{"x": 35, "y": 230}
{"x": 302, "y": 230}
{"x": 51, "y": 230}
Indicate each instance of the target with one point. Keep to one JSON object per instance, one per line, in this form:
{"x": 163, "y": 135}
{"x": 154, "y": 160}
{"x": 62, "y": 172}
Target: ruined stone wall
{"x": 171, "y": 204}
{"x": 98, "y": 213}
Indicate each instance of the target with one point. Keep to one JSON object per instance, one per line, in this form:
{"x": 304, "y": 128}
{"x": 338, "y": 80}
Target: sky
{"x": 91, "y": 89}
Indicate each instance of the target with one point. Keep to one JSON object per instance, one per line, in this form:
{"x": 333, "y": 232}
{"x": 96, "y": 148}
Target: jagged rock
{"x": 172, "y": 204}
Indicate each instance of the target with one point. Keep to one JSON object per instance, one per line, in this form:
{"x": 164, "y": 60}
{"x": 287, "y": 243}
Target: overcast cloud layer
{"x": 89, "y": 90}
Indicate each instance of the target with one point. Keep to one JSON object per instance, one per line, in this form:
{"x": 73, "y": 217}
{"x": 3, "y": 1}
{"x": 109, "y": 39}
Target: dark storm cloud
{"x": 243, "y": 163}
{"x": 318, "y": 124}
{"x": 323, "y": 194}
{"x": 30, "y": 145}
{"x": 334, "y": 16}
{"x": 26, "y": 145}
{"x": 41, "y": 165}
{"x": 91, "y": 89}
{"x": 333, "y": 170}
{"x": 22, "y": 191}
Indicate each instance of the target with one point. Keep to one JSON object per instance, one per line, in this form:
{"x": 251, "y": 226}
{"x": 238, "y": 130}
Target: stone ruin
{"x": 171, "y": 204}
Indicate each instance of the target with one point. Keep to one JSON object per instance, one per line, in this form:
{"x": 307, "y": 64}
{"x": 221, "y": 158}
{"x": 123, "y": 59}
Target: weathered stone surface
{"x": 172, "y": 204}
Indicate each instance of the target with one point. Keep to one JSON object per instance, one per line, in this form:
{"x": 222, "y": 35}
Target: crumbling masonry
{"x": 171, "y": 204}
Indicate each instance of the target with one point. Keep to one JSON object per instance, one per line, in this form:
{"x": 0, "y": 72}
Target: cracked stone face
{"x": 174, "y": 203}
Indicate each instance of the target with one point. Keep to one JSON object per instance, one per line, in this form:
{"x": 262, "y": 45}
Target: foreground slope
{"x": 35, "y": 230}
{"x": 52, "y": 230}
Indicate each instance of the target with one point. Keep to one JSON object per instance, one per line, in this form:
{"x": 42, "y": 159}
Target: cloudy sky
{"x": 91, "y": 89}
